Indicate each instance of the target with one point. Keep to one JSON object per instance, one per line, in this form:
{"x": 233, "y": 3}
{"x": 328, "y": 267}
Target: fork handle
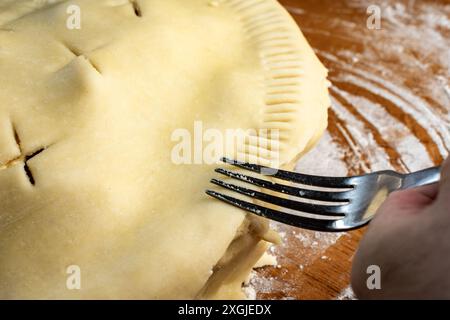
{"x": 422, "y": 178}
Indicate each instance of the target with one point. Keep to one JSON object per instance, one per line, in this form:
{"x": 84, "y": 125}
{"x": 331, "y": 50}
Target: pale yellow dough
{"x": 103, "y": 102}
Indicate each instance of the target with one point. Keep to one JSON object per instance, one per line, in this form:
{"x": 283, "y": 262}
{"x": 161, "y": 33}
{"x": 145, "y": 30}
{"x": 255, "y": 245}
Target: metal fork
{"x": 331, "y": 204}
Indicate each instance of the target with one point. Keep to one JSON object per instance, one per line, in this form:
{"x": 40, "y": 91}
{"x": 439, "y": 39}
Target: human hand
{"x": 409, "y": 239}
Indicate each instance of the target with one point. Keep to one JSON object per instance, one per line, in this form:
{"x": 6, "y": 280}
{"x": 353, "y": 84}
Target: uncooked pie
{"x": 87, "y": 117}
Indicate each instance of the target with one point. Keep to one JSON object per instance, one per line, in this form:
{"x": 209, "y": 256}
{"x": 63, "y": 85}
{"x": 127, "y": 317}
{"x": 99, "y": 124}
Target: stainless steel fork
{"x": 331, "y": 204}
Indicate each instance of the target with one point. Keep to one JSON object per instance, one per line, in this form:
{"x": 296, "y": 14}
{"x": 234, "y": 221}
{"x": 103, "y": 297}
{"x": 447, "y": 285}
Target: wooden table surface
{"x": 390, "y": 110}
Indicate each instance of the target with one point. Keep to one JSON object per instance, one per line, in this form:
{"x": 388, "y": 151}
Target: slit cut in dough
{"x": 107, "y": 196}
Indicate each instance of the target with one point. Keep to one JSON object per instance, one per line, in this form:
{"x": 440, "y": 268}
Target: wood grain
{"x": 390, "y": 111}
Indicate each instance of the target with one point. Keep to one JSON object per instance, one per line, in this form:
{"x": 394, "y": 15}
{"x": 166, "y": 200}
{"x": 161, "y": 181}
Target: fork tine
{"x": 319, "y": 181}
{"x": 342, "y": 196}
{"x": 323, "y": 210}
{"x": 297, "y": 221}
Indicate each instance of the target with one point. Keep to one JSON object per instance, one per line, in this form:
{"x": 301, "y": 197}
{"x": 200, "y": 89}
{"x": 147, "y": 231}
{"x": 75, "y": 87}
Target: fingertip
{"x": 430, "y": 191}
{"x": 416, "y": 198}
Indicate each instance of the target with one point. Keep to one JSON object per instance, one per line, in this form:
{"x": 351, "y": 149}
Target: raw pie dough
{"x": 86, "y": 118}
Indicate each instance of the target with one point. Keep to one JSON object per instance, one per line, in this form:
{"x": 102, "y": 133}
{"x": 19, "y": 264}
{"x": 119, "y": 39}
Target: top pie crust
{"x": 89, "y": 115}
